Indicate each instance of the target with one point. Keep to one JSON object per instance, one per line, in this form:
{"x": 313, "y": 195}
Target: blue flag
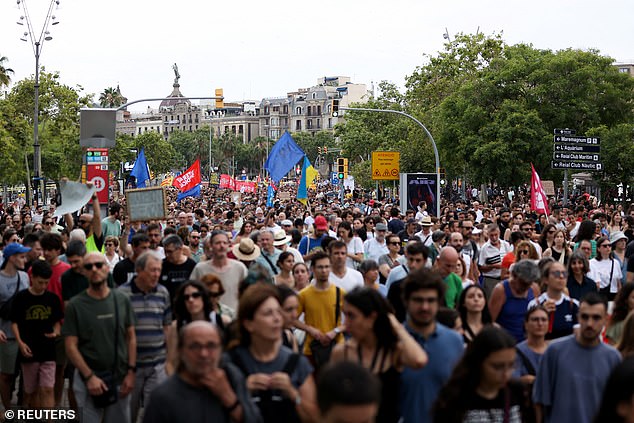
{"x": 194, "y": 192}
{"x": 284, "y": 156}
{"x": 141, "y": 171}
{"x": 270, "y": 196}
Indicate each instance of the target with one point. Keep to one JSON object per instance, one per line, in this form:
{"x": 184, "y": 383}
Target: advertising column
{"x": 97, "y": 171}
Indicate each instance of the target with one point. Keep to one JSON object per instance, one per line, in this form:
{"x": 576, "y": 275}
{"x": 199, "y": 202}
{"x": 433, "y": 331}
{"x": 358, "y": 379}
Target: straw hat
{"x": 281, "y": 238}
{"x": 246, "y": 250}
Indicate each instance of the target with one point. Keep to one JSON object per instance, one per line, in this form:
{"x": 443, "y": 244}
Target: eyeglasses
{"x": 552, "y": 232}
{"x": 98, "y": 265}
{"x": 467, "y": 228}
{"x": 558, "y": 273}
{"x": 109, "y": 244}
{"x": 48, "y": 223}
{"x": 522, "y": 252}
{"x": 194, "y": 237}
{"x": 393, "y": 243}
{"x": 528, "y": 229}
{"x": 604, "y": 245}
{"x": 194, "y": 295}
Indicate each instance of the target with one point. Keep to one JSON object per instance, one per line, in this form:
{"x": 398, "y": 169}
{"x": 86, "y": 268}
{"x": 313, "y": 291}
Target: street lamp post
{"x": 37, "y": 49}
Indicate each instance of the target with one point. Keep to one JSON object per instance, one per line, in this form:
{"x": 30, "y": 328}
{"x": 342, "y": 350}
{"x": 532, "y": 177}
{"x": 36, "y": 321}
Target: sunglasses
{"x": 98, "y": 265}
{"x": 195, "y": 237}
{"x": 48, "y": 223}
{"x": 194, "y": 295}
{"x": 559, "y": 273}
{"x": 522, "y": 252}
{"x": 393, "y": 243}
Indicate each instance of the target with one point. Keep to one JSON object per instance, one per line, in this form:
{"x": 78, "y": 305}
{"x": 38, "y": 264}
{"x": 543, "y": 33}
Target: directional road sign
{"x": 334, "y": 178}
{"x": 577, "y": 148}
{"x": 577, "y": 140}
{"x": 558, "y": 164}
{"x": 385, "y": 165}
{"x": 558, "y": 131}
{"x": 577, "y": 157}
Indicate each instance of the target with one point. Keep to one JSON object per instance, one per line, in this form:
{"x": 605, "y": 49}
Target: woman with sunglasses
{"x": 547, "y": 236}
{"x": 221, "y": 314}
{"x": 380, "y": 344}
{"x": 562, "y": 310}
{"x": 606, "y": 270}
{"x": 279, "y": 380}
{"x": 390, "y": 260}
{"x": 474, "y": 311}
{"x": 192, "y": 303}
{"x": 111, "y": 254}
{"x": 559, "y": 250}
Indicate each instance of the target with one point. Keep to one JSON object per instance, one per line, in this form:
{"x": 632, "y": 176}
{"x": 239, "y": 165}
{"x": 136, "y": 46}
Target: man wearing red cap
{"x": 312, "y": 243}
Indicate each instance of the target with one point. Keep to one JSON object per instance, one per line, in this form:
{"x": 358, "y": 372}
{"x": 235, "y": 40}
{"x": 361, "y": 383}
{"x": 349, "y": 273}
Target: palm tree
{"x": 111, "y": 98}
{"x": 4, "y": 72}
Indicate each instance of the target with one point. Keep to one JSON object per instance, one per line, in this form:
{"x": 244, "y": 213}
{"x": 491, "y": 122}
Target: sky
{"x": 256, "y": 49}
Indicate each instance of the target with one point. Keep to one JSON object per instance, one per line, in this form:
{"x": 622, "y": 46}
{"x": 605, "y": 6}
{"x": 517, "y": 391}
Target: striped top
{"x": 153, "y": 313}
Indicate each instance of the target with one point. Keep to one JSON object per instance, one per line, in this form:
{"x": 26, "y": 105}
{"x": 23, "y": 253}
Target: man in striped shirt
{"x": 151, "y": 305}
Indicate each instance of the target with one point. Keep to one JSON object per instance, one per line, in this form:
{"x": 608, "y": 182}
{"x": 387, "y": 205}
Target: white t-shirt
{"x": 373, "y": 249}
{"x": 600, "y": 271}
{"x": 349, "y": 281}
{"x": 355, "y": 246}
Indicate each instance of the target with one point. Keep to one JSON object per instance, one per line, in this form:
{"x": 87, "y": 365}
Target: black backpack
{"x": 273, "y": 405}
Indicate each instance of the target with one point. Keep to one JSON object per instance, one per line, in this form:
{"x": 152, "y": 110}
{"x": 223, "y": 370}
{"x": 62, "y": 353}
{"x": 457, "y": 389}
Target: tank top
{"x": 390, "y": 386}
{"x": 513, "y": 311}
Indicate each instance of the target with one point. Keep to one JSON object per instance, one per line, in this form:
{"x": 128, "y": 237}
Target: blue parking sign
{"x": 334, "y": 179}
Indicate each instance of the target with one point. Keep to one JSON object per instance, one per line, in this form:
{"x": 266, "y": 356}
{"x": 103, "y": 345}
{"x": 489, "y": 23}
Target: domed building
{"x": 178, "y": 113}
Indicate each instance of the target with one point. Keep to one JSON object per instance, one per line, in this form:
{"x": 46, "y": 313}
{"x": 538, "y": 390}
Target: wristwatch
{"x": 132, "y": 368}
{"x": 337, "y": 331}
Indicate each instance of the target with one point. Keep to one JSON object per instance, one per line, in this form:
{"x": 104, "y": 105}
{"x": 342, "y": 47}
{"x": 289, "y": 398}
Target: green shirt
{"x": 453, "y": 289}
{"x": 92, "y": 321}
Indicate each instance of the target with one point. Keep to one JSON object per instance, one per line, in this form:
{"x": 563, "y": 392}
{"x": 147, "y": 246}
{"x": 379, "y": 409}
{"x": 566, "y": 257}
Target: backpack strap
{"x": 291, "y": 364}
{"x": 526, "y": 362}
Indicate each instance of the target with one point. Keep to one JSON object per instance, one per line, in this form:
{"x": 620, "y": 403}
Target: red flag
{"x": 227, "y": 182}
{"x": 188, "y": 179}
{"x": 539, "y": 201}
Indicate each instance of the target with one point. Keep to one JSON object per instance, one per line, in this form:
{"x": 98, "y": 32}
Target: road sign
{"x": 558, "y": 131}
{"x": 558, "y": 164}
{"x": 334, "y": 178}
{"x": 577, "y": 140}
{"x": 577, "y": 157}
{"x": 577, "y": 148}
{"x": 385, "y": 165}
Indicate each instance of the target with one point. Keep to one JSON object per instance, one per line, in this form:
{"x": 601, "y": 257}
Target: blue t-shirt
{"x": 521, "y": 369}
{"x": 419, "y": 388}
{"x": 571, "y": 378}
{"x": 308, "y": 244}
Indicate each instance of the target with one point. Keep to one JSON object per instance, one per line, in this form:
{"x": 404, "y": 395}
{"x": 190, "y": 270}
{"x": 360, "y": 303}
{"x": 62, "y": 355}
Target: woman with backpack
{"x": 279, "y": 380}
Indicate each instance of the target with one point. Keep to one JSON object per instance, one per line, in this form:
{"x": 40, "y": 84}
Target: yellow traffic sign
{"x": 386, "y": 165}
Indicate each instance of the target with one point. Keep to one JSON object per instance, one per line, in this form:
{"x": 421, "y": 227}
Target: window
{"x": 309, "y": 124}
{"x": 308, "y": 110}
{"x": 329, "y": 122}
{"x": 624, "y": 70}
{"x": 318, "y": 123}
{"x": 274, "y": 122}
{"x": 298, "y": 125}
{"x": 266, "y": 122}
{"x": 318, "y": 110}
{"x": 233, "y": 129}
{"x": 241, "y": 129}
{"x": 275, "y": 133}
{"x": 266, "y": 110}
{"x": 298, "y": 110}
{"x": 285, "y": 110}
{"x": 314, "y": 96}
{"x": 276, "y": 108}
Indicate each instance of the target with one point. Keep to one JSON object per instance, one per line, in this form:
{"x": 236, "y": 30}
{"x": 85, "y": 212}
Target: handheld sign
{"x": 146, "y": 204}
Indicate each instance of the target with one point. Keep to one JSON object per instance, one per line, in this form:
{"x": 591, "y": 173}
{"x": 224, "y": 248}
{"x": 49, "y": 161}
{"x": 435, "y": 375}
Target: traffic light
{"x": 220, "y": 103}
{"x": 334, "y": 108}
{"x": 443, "y": 176}
{"x": 341, "y": 168}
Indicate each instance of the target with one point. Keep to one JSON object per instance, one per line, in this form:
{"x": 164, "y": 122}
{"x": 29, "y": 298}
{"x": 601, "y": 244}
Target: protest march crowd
{"x": 341, "y": 310}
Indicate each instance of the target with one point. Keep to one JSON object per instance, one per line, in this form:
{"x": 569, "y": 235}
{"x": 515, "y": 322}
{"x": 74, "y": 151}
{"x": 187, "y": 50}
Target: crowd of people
{"x": 347, "y": 310}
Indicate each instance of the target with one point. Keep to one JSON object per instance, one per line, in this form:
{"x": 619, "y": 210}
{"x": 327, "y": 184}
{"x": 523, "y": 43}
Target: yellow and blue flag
{"x": 309, "y": 173}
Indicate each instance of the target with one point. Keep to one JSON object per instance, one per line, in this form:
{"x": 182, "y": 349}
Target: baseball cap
{"x": 381, "y": 227}
{"x": 321, "y": 223}
{"x": 11, "y": 249}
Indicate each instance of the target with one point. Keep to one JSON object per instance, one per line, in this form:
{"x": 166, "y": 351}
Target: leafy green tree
{"x": 111, "y": 98}
{"x": 5, "y": 73}
{"x": 59, "y": 106}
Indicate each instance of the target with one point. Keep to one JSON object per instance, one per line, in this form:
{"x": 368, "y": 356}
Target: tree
{"x": 5, "y": 72}
{"x": 59, "y": 106}
{"x": 111, "y": 98}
